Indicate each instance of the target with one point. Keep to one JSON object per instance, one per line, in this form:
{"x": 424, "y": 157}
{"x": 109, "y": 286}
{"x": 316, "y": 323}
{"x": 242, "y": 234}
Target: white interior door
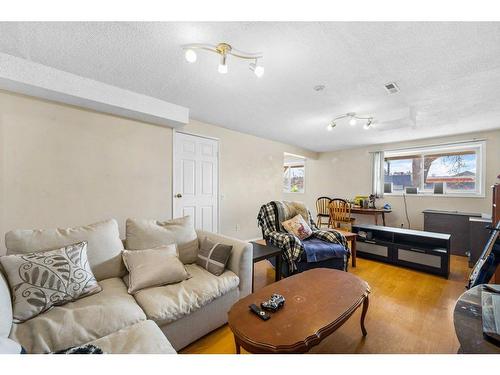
{"x": 196, "y": 180}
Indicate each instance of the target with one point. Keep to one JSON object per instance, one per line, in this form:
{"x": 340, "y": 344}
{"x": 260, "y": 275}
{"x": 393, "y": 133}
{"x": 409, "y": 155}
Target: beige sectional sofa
{"x": 160, "y": 319}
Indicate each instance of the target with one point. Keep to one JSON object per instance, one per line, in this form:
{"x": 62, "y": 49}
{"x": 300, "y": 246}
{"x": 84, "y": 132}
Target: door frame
{"x": 174, "y": 137}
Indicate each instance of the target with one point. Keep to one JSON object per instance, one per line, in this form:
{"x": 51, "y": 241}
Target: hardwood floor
{"x": 410, "y": 312}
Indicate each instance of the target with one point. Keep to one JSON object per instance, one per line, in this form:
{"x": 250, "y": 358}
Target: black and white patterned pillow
{"x": 41, "y": 280}
{"x": 83, "y": 349}
{"x": 213, "y": 256}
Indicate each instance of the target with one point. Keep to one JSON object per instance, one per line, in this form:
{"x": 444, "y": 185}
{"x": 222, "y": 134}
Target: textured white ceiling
{"x": 448, "y": 73}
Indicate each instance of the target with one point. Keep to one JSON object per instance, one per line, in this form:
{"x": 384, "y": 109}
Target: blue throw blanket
{"x": 317, "y": 250}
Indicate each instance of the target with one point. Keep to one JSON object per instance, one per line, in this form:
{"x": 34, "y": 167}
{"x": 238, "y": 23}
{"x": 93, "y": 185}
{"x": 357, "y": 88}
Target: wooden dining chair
{"x": 340, "y": 214}
{"x": 322, "y": 211}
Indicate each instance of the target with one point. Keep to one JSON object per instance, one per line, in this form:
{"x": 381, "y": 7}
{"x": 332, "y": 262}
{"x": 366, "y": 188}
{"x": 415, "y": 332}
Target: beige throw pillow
{"x": 148, "y": 234}
{"x": 104, "y": 246}
{"x": 297, "y": 226}
{"x": 213, "y": 256}
{"x": 41, "y": 280}
{"x": 153, "y": 267}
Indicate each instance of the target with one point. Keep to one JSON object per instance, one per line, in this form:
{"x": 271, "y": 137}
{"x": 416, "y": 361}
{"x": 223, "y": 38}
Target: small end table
{"x": 261, "y": 252}
{"x": 351, "y": 237}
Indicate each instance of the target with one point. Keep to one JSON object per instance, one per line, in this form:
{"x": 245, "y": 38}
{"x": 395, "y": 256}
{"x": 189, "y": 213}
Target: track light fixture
{"x": 257, "y": 69}
{"x": 368, "y": 124}
{"x": 353, "y": 120}
{"x": 224, "y": 50}
{"x": 331, "y": 125}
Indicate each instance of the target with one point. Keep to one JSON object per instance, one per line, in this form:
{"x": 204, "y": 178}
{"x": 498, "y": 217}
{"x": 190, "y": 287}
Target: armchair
{"x": 332, "y": 244}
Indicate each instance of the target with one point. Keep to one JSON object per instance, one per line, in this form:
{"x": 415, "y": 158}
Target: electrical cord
{"x": 406, "y": 211}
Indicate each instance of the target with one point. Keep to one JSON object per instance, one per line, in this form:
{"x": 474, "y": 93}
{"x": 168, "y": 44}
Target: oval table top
{"x": 467, "y": 318}
{"x": 318, "y": 302}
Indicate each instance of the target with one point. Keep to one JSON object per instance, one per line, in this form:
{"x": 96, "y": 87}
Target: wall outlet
{"x": 237, "y": 227}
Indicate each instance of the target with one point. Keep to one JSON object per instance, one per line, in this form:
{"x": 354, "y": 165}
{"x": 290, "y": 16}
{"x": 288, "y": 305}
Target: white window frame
{"x": 478, "y": 146}
{"x": 291, "y": 164}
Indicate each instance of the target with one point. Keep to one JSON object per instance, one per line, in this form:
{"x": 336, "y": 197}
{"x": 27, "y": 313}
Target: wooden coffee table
{"x": 317, "y": 303}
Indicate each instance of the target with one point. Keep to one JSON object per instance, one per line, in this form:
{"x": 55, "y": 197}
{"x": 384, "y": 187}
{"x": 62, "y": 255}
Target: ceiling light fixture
{"x": 224, "y": 50}
{"x": 257, "y": 69}
{"x": 331, "y": 125}
{"x": 353, "y": 120}
{"x": 368, "y": 124}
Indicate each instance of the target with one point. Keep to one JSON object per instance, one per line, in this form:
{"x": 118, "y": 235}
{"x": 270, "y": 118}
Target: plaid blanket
{"x": 291, "y": 245}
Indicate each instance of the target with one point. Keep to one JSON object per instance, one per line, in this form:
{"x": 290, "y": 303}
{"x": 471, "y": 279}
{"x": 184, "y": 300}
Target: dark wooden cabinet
{"x": 496, "y": 217}
{"x": 495, "y": 213}
{"x": 455, "y": 223}
{"x": 479, "y": 233}
{"x": 424, "y": 251}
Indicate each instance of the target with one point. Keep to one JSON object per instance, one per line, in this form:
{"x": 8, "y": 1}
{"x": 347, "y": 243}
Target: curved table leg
{"x": 237, "y": 345}
{"x": 363, "y": 315}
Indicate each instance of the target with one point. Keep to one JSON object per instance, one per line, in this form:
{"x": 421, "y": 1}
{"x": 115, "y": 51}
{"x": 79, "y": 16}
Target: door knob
{"x": 178, "y": 195}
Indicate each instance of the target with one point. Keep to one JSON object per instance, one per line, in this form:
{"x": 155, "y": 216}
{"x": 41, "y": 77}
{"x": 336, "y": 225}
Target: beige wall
{"x": 251, "y": 173}
{"x": 65, "y": 166}
{"x": 347, "y": 173}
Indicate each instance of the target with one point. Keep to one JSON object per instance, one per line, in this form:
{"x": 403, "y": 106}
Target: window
{"x": 294, "y": 168}
{"x": 458, "y": 168}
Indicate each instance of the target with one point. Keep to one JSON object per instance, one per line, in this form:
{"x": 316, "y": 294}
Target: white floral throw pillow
{"x": 297, "y": 226}
{"x": 41, "y": 280}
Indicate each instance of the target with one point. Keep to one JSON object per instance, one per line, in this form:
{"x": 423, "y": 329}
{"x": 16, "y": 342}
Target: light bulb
{"x": 352, "y": 121}
{"x": 222, "y": 68}
{"x": 367, "y": 125}
{"x": 257, "y": 69}
{"x": 190, "y": 56}
{"x": 331, "y": 126}
{"x": 223, "y": 64}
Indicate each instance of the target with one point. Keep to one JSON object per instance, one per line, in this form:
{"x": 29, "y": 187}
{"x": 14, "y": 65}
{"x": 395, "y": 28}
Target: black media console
{"x": 424, "y": 251}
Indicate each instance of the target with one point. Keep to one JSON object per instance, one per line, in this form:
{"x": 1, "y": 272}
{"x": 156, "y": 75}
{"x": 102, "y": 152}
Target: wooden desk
{"x": 351, "y": 237}
{"x": 376, "y": 212}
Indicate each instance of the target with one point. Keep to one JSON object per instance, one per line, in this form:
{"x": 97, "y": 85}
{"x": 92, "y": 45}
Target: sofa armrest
{"x": 240, "y": 261}
{"x": 5, "y": 307}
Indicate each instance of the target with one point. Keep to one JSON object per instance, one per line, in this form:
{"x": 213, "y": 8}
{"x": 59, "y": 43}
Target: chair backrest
{"x": 322, "y": 205}
{"x": 340, "y": 210}
{"x": 268, "y": 218}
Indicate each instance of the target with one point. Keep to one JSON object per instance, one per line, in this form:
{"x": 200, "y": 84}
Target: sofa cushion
{"x": 5, "y": 307}
{"x": 153, "y": 267}
{"x": 104, "y": 246}
{"x": 79, "y": 322}
{"x": 147, "y": 234}
{"x": 141, "y": 338}
{"x": 41, "y": 280}
{"x": 168, "y": 303}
